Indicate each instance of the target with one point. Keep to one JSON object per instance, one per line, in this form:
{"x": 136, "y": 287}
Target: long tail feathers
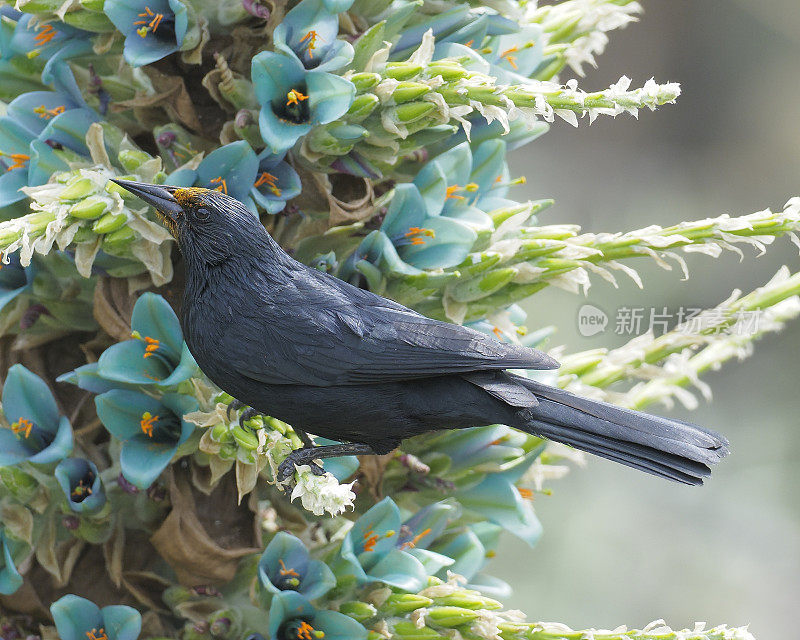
{"x": 671, "y": 449}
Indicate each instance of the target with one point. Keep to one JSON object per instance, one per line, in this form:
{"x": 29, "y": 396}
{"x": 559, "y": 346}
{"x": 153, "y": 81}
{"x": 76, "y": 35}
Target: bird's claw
{"x": 299, "y": 457}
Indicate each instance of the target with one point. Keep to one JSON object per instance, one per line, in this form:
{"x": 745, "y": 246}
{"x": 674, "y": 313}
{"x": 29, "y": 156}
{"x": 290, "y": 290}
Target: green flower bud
{"x": 359, "y": 611}
{"x": 451, "y": 616}
{"x": 362, "y": 106}
{"x": 84, "y": 234}
{"x": 411, "y": 111}
{"x": 407, "y": 91}
{"x": 364, "y": 81}
{"x": 119, "y": 238}
{"x": 132, "y": 159}
{"x": 407, "y": 630}
{"x": 89, "y": 21}
{"x": 402, "y": 70}
{"x": 77, "y": 189}
{"x": 467, "y": 600}
{"x": 89, "y": 208}
{"x": 109, "y": 222}
{"x": 113, "y": 187}
{"x": 477, "y": 288}
{"x": 244, "y": 438}
{"x": 448, "y": 70}
{"x": 400, "y": 603}
{"x": 221, "y": 433}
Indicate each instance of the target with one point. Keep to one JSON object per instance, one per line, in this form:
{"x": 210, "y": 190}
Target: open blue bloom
{"x": 337, "y": 6}
{"x": 309, "y": 32}
{"x": 153, "y": 29}
{"x": 10, "y": 579}
{"x": 286, "y": 565}
{"x": 40, "y": 133}
{"x": 461, "y": 24}
{"x": 157, "y": 355}
{"x": 293, "y": 100}
{"x": 37, "y": 434}
{"x": 53, "y": 42}
{"x": 80, "y": 481}
{"x": 463, "y": 183}
{"x": 14, "y": 279}
{"x": 231, "y": 169}
{"x": 276, "y": 182}
{"x": 150, "y": 430}
{"x": 424, "y": 238}
{"x": 291, "y": 617}
{"x": 370, "y": 550}
{"x": 77, "y": 618}
{"x": 515, "y": 57}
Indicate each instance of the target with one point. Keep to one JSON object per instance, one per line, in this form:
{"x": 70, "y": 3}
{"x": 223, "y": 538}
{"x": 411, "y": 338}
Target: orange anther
{"x": 295, "y": 97}
{"x": 23, "y": 426}
{"x": 147, "y": 423}
{"x": 223, "y": 186}
{"x": 268, "y": 179}
{"x": 415, "y": 540}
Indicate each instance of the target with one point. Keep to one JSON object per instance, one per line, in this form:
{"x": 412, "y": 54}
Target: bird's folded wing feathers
{"x": 362, "y": 338}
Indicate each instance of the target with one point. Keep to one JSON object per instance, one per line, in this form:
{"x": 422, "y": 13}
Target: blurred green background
{"x": 620, "y": 547}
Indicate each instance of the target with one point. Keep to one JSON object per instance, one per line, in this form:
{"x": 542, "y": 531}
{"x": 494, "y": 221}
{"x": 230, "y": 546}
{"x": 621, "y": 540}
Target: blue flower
{"x": 231, "y": 169}
{"x": 464, "y": 184}
{"x": 77, "y": 618}
{"x": 10, "y": 579}
{"x": 276, "y": 182}
{"x": 291, "y": 617}
{"x": 37, "y": 434}
{"x": 150, "y": 430}
{"x": 40, "y": 133}
{"x": 422, "y": 237}
{"x": 14, "y": 279}
{"x": 373, "y": 550}
{"x": 156, "y": 356}
{"x": 309, "y": 32}
{"x": 153, "y": 29}
{"x": 80, "y": 481}
{"x": 286, "y": 565}
{"x": 293, "y": 100}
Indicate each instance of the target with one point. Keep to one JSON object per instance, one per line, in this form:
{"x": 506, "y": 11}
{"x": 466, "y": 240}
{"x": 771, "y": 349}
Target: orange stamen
{"x": 451, "y": 192}
{"x": 469, "y": 43}
{"x": 498, "y": 332}
{"x": 295, "y": 97}
{"x": 414, "y": 234}
{"x": 46, "y": 113}
{"x": 19, "y": 160}
{"x": 147, "y": 423}
{"x": 413, "y": 542}
{"x": 23, "y": 425}
{"x": 223, "y": 186}
{"x": 512, "y": 60}
{"x": 306, "y": 632}
{"x": 94, "y": 634}
{"x": 151, "y": 25}
{"x": 312, "y": 37}
{"x": 287, "y": 572}
{"x": 152, "y": 346}
{"x": 269, "y": 180}
{"x": 370, "y": 540}
{"x": 527, "y": 494}
{"x": 46, "y": 34}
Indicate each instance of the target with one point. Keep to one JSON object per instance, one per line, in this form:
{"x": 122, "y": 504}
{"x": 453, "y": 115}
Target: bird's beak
{"x": 161, "y": 197}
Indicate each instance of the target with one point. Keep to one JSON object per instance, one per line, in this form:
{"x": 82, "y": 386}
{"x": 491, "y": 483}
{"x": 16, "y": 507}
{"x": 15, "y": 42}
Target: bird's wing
{"x": 327, "y": 333}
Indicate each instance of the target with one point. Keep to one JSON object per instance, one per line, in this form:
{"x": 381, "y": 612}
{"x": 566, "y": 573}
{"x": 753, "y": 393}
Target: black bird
{"x": 340, "y": 362}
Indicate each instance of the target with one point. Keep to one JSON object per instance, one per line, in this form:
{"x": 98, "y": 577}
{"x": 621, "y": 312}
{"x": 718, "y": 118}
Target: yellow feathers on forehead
{"x": 190, "y": 196}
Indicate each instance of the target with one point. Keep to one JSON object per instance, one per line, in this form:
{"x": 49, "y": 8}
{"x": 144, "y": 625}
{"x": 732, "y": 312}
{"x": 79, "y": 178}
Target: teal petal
{"x": 496, "y": 499}
{"x": 337, "y": 626}
{"x": 154, "y": 317}
{"x": 183, "y": 177}
{"x": 306, "y": 16}
{"x": 33, "y": 110}
{"x": 69, "y": 129}
{"x": 68, "y": 473}
{"x": 452, "y": 242}
{"x": 125, "y": 362}
{"x": 285, "y": 606}
{"x": 88, "y": 378}
{"x": 59, "y": 448}
{"x": 274, "y": 75}
{"x": 74, "y": 616}
{"x": 342, "y": 467}
{"x": 376, "y": 521}
{"x": 401, "y": 570}
{"x": 142, "y": 460}
{"x": 279, "y": 135}
{"x": 467, "y": 552}
{"x": 10, "y": 184}
{"x": 425, "y": 526}
{"x": 44, "y": 162}
{"x": 431, "y": 561}
{"x": 121, "y": 622}
{"x": 10, "y": 578}
{"x": 432, "y": 184}
{"x": 26, "y": 395}
{"x": 490, "y": 586}
{"x": 489, "y": 166}
{"x": 121, "y": 411}
{"x": 407, "y": 209}
{"x": 337, "y": 6}
{"x": 12, "y": 449}
{"x": 329, "y": 96}
{"x": 236, "y": 163}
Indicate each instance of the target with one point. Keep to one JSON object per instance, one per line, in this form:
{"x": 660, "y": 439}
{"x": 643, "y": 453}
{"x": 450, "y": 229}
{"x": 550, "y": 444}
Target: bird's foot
{"x": 247, "y": 414}
{"x": 298, "y": 458}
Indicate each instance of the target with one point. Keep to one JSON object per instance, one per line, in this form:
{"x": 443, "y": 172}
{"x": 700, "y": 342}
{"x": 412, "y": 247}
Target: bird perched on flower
{"x": 340, "y": 362}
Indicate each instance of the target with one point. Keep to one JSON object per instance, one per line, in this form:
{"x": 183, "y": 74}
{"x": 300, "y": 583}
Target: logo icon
{"x": 591, "y": 320}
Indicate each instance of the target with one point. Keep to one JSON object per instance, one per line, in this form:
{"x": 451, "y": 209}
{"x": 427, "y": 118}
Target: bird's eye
{"x": 202, "y": 214}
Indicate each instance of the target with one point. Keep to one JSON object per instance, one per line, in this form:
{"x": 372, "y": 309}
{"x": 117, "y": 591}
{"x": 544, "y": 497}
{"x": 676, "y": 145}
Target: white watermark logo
{"x": 591, "y": 320}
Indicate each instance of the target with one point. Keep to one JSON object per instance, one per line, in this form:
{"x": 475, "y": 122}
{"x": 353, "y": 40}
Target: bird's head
{"x": 209, "y": 226}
